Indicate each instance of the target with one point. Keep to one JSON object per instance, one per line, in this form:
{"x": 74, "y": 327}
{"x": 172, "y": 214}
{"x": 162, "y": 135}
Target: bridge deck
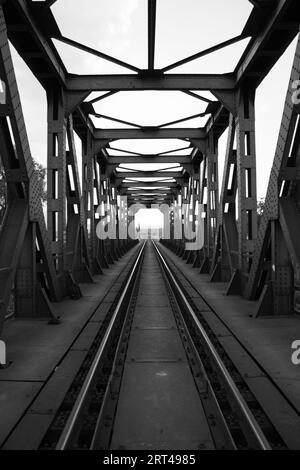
{"x": 260, "y": 349}
{"x": 159, "y": 406}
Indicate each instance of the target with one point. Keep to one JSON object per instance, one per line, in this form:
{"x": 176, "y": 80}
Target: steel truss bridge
{"x": 44, "y": 263}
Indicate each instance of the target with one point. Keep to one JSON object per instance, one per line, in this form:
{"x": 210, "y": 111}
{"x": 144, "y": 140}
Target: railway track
{"x": 157, "y": 377}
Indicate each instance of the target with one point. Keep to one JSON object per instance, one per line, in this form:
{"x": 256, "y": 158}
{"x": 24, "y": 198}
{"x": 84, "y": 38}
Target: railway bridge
{"x": 114, "y": 340}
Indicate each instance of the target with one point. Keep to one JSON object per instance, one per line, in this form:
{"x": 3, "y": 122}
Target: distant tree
{"x": 41, "y": 172}
{"x": 261, "y": 206}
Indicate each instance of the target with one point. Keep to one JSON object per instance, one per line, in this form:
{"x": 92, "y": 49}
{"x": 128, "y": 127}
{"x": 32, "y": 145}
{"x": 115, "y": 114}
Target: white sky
{"x": 184, "y": 27}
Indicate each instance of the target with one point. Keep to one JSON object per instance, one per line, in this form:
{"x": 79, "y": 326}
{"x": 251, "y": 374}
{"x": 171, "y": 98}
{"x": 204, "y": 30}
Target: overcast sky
{"x": 184, "y": 27}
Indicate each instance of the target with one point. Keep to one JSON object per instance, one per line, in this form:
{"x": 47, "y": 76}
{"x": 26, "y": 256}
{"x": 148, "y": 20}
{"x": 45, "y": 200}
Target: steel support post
{"x": 282, "y": 276}
{"x": 203, "y": 201}
{"x": 246, "y": 187}
{"x": 211, "y": 187}
{"x": 198, "y": 207}
{"x": 90, "y": 198}
{"x": 56, "y": 179}
{"x": 212, "y": 194}
{"x": 187, "y": 202}
{"x": 115, "y": 216}
{"x": 225, "y": 257}
{"x": 99, "y": 185}
{"x": 105, "y": 198}
{"x": 191, "y": 254}
{"x": 78, "y": 260}
{"x": 184, "y": 202}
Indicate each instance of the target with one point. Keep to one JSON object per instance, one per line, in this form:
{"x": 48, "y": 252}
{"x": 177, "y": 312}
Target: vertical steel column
{"x": 88, "y": 188}
{"x": 187, "y": 202}
{"x": 56, "y": 178}
{"x": 246, "y": 183}
{"x": 90, "y": 203}
{"x": 106, "y": 199}
{"x": 78, "y": 260}
{"x": 203, "y": 202}
{"x": 282, "y": 276}
{"x": 184, "y": 202}
{"x": 210, "y": 184}
{"x": 198, "y": 204}
{"x": 225, "y": 257}
{"x": 100, "y": 244}
{"x": 212, "y": 193}
{"x": 115, "y": 218}
{"x": 191, "y": 256}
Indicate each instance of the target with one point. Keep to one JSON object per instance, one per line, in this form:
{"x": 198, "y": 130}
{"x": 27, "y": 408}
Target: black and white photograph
{"x": 149, "y": 230}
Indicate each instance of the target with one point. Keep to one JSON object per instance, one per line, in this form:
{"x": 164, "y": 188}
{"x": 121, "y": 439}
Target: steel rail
{"x": 67, "y": 434}
{"x": 246, "y": 413}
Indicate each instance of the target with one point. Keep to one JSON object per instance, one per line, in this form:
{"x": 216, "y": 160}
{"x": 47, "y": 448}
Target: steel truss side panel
{"x": 22, "y": 180}
{"x": 277, "y": 179}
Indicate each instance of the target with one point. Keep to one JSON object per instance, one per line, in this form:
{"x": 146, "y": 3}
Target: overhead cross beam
{"x": 121, "y": 121}
{"x": 150, "y": 133}
{"x": 198, "y": 97}
{"x": 147, "y": 184}
{"x": 102, "y": 97}
{"x": 153, "y": 81}
{"x": 175, "y": 150}
{"x": 210, "y": 50}
{"x": 151, "y": 33}
{"x": 158, "y": 170}
{"x": 128, "y": 152}
{"x": 178, "y": 121}
{"x": 167, "y": 152}
{"x": 167, "y": 124}
{"x": 90, "y": 50}
{"x": 148, "y": 191}
{"x": 132, "y": 159}
{"x": 149, "y": 174}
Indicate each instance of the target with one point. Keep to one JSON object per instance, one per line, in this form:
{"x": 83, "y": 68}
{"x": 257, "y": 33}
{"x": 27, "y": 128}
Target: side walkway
{"x": 37, "y": 350}
{"x": 250, "y": 342}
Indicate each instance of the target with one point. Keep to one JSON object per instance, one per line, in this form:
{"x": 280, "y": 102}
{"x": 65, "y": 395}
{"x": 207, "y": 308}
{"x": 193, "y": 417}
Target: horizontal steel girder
{"x": 149, "y": 191}
{"x": 149, "y": 133}
{"x": 154, "y": 82}
{"x": 131, "y": 159}
{"x": 150, "y": 174}
{"x": 145, "y": 184}
{"x": 149, "y": 201}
